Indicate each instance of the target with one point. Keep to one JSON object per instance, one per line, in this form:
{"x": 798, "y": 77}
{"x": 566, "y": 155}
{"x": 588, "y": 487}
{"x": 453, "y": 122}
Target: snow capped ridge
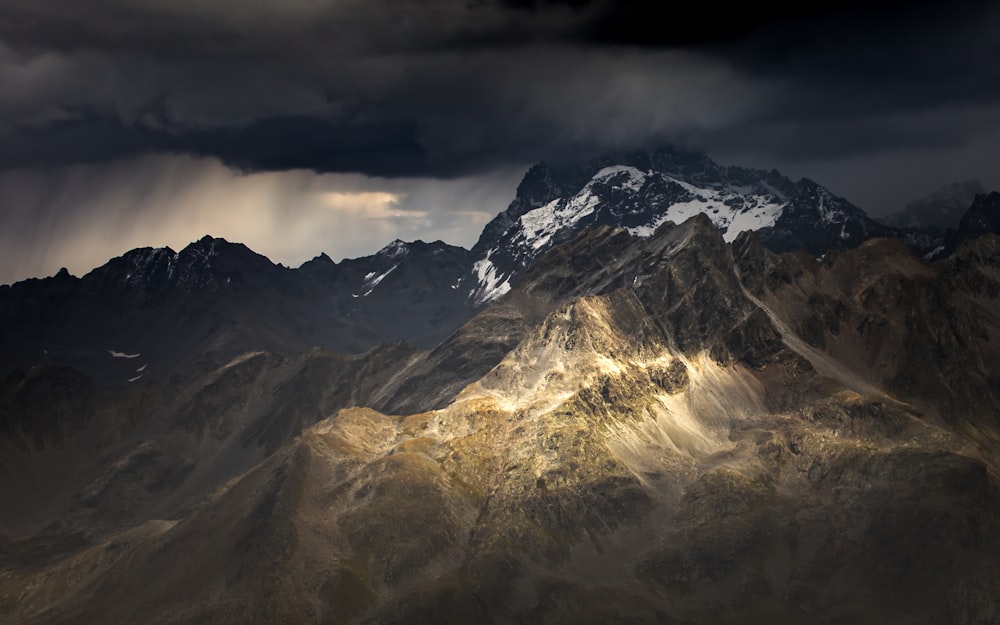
{"x": 641, "y": 191}
{"x": 626, "y": 195}
{"x": 732, "y": 209}
{"x": 538, "y": 226}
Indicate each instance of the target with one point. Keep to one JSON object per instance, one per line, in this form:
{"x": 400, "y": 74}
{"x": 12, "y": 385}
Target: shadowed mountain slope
{"x": 671, "y": 429}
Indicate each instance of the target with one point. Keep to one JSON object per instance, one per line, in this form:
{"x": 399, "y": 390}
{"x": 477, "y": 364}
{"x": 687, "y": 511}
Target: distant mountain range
{"x": 179, "y": 312}
{"x": 938, "y": 212}
{"x": 193, "y": 310}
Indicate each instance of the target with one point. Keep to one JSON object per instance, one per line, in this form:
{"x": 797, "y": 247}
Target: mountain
{"x": 156, "y": 313}
{"x": 403, "y": 292}
{"x": 668, "y": 428}
{"x": 641, "y": 191}
{"x": 938, "y": 212}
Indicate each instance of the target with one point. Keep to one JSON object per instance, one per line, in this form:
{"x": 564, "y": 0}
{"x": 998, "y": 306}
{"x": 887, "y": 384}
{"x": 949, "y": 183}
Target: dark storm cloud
{"x": 134, "y": 122}
{"x": 443, "y": 88}
{"x": 833, "y": 138}
{"x": 383, "y": 148}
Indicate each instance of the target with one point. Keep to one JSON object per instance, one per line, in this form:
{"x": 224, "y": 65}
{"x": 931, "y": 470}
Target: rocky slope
{"x": 663, "y": 429}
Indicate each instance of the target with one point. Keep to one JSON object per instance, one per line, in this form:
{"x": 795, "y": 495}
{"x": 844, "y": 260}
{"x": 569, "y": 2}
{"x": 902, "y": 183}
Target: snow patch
{"x": 764, "y": 214}
{"x": 370, "y": 283}
{"x": 828, "y": 213}
{"x": 933, "y": 253}
{"x": 729, "y": 209}
{"x": 539, "y": 225}
{"x": 633, "y": 181}
{"x": 115, "y": 354}
{"x": 491, "y": 284}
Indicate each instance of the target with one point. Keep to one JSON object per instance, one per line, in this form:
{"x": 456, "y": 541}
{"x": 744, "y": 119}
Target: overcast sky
{"x": 308, "y": 126}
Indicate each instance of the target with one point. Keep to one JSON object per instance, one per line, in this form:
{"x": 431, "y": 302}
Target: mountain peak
{"x": 210, "y": 244}
{"x": 396, "y": 249}
{"x": 983, "y": 216}
{"x": 639, "y": 191}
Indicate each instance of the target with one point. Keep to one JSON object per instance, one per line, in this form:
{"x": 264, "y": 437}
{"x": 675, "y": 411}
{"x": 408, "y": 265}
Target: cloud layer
{"x": 404, "y": 93}
{"x": 445, "y": 88}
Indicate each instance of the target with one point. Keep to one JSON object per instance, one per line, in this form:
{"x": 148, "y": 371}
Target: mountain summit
{"x": 642, "y": 190}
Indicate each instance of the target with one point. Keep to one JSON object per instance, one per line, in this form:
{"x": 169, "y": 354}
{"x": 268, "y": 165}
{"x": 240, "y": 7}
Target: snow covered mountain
{"x": 640, "y": 192}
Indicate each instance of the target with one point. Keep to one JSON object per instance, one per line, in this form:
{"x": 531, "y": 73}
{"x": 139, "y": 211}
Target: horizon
{"x": 303, "y": 256}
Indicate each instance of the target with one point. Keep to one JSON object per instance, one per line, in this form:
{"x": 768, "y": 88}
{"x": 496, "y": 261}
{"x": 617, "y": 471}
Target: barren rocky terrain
{"x": 673, "y": 429}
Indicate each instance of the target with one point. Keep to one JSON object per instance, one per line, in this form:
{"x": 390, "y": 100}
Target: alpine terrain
{"x": 656, "y": 391}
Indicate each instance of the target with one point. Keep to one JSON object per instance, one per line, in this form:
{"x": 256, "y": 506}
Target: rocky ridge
{"x": 640, "y": 191}
{"x": 156, "y": 314}
{"x": 669, "y": 429}
{"x": 159, "y": 314}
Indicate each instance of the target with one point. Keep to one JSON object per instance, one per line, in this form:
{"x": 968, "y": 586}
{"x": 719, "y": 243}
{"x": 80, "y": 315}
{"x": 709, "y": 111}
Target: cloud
{"x": 449, "y": 88}
{"x": 369, "y": 204}
{"x": 139, "y": 116}
{"x": 438, "y": 117}
{"x": 446, "y": 88}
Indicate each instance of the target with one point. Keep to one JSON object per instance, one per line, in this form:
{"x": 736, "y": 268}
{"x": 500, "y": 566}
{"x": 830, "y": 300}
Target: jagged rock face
{"x": 407, "y": 292}
{"x": 159, "y": 314}
{"x": 817, "y": 221}
{"x": 641, "y": 191}
{"x": 663, "y": 430}
{"x": 983, "y": 217}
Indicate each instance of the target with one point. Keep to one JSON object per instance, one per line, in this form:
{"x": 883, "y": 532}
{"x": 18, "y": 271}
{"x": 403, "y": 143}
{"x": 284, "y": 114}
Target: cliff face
{"x": 671, "y": 429}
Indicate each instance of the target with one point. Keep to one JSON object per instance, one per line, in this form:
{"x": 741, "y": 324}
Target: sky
{"x": 308, "y": 126}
